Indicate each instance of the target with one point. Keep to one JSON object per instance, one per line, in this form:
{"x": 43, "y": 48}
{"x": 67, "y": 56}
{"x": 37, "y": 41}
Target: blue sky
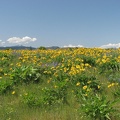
{"x": 88, "y": 23}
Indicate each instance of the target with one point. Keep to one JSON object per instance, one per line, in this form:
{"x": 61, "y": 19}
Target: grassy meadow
{"x": 61, "y": 84}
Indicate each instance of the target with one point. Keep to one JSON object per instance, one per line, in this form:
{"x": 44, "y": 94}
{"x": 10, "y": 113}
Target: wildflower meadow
{"x": 60, "y": 84}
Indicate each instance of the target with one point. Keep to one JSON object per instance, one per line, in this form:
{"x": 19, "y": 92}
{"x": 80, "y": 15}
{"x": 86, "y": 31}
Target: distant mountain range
{"x": 17, "y": 47}
{"x": 25, "y": 47}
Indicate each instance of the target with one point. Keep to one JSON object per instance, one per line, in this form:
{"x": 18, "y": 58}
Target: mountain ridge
{"x": 25, "y": 47}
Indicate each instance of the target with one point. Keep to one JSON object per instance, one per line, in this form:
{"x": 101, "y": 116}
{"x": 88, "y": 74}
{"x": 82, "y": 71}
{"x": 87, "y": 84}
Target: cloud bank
{"x": 1, "y": 43}
{"x": 111, "y": 46}
{"x": 23, "y": 40}
{"x": 73, "y": 46}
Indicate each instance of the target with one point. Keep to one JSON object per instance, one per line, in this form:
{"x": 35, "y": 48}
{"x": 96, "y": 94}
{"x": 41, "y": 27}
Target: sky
{"x": 82, "y": 23}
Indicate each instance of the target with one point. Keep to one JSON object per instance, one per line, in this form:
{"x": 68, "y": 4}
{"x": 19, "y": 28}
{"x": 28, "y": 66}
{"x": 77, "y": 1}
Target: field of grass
{"x": 61, "y": 84}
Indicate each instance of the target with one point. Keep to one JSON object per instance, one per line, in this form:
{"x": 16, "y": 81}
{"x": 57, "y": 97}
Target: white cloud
{"x": 2, "y": 43}
{"x": 73, "y": 46}
{"x": 23, "y": 40}
{"x": 110, "y": 45}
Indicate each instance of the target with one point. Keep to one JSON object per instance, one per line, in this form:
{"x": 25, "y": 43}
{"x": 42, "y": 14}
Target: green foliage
{"x": 88, "y": 59}
{"x": 114, "y": 77}
{"x": 57, "y": 95}
{"x": 25, "y": 75}
{"x": 48, "y": 97}
{"x": 117, "y": 92}
{"x": 31, "y": 99}
{"x": 98, "y": 107}
{"x": 6, "y": 59}
{"x": 86, "y": 80}
{"x": 5, "y": 86}
{"x": 110, "y": 66}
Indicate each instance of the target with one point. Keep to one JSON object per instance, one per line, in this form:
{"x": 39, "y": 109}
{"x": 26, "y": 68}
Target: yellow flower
{"x": 112, "y": 84}
{"x": 48, "y": 81}
{"x": 103, "y": 60}
{"x": 13, "y": 92}
{"x": 88, "y": 90}
{"x": 72, "y": 91}
{"x": 23, "y": 60}
{"x": 116, "y": 83}
{"x": 0, "y": 77}
{"x": 109, "y": 86}
{"x": 89, "y": 82}
{"x": 10, "y": 68}
{"x": 85, "y": 87}
{"x": 26, "y": 94}
{"x": 78, "y": 84}
{"x": 55, "y": 86}
{"x": 5, "y": 74}
{"x": 45, "y": 72}
{"x": 65, "y": 69}
{"x": 77, "y": 66}
{"x": 86, "y": 64}
{"x": 98, "y": 87}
